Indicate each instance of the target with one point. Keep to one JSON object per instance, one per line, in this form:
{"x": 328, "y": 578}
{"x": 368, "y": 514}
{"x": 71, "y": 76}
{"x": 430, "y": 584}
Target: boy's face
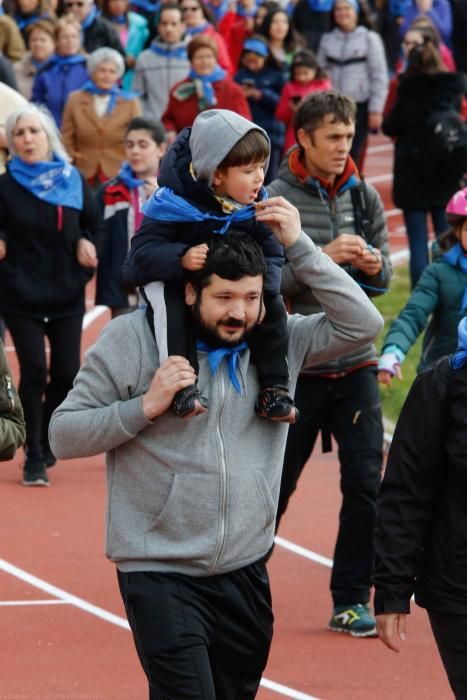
{"x": 241, "y": 183}
{"x": 143, "y": 153}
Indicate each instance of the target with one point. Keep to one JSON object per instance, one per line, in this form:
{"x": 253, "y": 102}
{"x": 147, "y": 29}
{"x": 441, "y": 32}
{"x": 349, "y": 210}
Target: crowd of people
{"x": 133, "y": 134}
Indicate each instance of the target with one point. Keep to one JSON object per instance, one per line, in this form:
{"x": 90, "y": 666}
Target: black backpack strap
{"x": 359, "y": 195}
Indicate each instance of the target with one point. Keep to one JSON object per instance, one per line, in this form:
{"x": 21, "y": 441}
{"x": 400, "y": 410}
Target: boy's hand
{"x": 282, "y": 218}
{"x": 195, "y": 257}
{"x": 174, "y": 374}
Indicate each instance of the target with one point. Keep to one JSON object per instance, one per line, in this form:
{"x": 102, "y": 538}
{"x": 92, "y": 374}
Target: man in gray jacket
{"x": 339, "y": 397}
{"x": 191, "y": 505}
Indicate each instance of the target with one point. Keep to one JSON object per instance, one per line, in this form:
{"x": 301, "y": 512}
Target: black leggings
{"x": 41, "y": 390}
{"x": 450, "y": 632}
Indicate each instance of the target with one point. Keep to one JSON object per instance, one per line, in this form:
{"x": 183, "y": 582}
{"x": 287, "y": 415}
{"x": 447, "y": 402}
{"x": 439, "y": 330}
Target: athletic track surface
{"x": 64, "y": 635}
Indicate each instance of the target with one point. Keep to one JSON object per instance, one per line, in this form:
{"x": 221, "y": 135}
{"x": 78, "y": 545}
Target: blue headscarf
{"x": 165, "y": 205}
{"x": 457, "y": 257}
{"x": 459, "y": 358}
{"x": 128, "y": 178}
{"x": 90, "y": 86}
{"x": 176, "y": 52}
{"x": 215, "y": 357}
{"x": 53, "y": 181}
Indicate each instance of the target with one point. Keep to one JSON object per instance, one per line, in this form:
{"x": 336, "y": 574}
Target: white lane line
{"x": 307, "y": 553}
{"x": 65, "y": 597}
{"x": 14, "y": 603}
{"x": 381, "y": 148}
{"x": 375, "y": 179}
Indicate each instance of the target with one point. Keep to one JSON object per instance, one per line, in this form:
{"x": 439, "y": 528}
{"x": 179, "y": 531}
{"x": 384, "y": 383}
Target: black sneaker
{"x": 189, "y": 402}
{"x": 34, "y": 473}
{"x": 275, "y": 404}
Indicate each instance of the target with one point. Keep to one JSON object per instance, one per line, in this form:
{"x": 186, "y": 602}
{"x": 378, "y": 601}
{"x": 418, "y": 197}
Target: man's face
{"x": 326, "y": 149}
{"x": 170, "y": 27}
{"x": 240, "y": 182}
{"x": 226, "y": 310}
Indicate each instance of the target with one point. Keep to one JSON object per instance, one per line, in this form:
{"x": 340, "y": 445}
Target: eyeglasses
{"x": 412, "y": 44}
{"x": 76, "y": 3}
{"x": 190, "y": 9}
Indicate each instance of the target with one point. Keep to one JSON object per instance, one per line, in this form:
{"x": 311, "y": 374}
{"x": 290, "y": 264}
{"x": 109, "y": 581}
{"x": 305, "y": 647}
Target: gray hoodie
{"x": 198, "y": 497}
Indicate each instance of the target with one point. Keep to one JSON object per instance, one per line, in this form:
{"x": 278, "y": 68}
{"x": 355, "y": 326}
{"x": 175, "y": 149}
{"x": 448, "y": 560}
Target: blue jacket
{"x": 270, "y": 81}
{"x": 158, "y": 246}
{"x": 53, "y": 84}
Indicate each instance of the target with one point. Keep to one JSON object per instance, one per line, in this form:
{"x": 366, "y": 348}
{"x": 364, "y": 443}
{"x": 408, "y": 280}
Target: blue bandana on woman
{"x": 90, "y": 17}
{"x": 457, "y": 257}
{"x": 459, "y": 358}
{"x": 193, "y": 31}
{"x": 53, "y": 181}
{"x": 201, "y": 86}
{"x": 24, "y": 22}
{"x": 165, "y": 205}
{"x": 59, "y": 62}
{"x": 114, "y": 92}
{"x": 118, "y": 19}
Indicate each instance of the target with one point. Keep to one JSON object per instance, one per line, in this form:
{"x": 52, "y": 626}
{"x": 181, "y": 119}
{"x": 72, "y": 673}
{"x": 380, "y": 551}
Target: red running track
{"x": 64, "y": 634}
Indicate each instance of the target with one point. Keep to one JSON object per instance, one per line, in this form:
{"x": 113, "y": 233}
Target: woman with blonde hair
{"x": 96, "y": 118}
{"x": 47, "y": 255}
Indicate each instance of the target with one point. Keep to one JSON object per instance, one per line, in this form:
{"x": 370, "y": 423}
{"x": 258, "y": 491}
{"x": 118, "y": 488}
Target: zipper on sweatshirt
{"x": 9, "y": 392}
{"x": 222, "y": 478}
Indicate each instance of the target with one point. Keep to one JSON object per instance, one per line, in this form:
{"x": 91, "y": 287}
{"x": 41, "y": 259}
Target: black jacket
{"x": 421, "y": 529}
{"x": 421, "y": 180}
{"x": 40, "y": 275}
{"x": 101, "y": 33}
{"x": 158, "y": 246}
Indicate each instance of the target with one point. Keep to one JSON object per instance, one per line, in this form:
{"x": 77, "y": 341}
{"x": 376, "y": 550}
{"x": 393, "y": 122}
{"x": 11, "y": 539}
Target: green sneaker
{"x": 356, "y": 620}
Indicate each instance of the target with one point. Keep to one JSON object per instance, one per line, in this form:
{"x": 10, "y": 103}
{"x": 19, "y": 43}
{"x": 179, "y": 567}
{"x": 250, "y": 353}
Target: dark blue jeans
{"x": 349, "y": 408}
{"x": 416, "y": 224}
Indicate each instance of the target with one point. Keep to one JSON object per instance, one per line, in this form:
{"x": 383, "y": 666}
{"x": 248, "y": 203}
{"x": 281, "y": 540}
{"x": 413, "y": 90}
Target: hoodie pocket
{"x": 187, "y": 526}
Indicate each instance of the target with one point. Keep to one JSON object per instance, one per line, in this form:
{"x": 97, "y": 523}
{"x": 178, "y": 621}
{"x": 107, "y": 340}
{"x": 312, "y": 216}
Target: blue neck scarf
{"x": 40, "y": 64}
{"x": 145, "y": 5}
{"x": 24, "y": 22}
{"x": 90, "y": 86}
{"x": 459, "y": 358}
{"x": 89, "y": 19}
{"x": 165, "y": 205}
{"x": 216, "y": 355}
{"x": 59, "y": 62}
{"x": 192, "y": 31}
{"x": 457, "y": 257}
{"x": 128, "y": 178}
{"x": 53, "y": 181}
{"x": 165, "y": 50}
{"x": 118, "y": 19}
{"x": 207, "y": 80}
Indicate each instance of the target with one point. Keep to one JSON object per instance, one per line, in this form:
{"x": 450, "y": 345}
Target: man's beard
{"x": 211, "y": 337}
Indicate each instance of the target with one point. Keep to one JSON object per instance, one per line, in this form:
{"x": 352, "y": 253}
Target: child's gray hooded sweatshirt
{"x": 198, "y": 496}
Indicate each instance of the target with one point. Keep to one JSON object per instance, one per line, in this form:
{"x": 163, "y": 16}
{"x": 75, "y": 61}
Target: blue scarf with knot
{"x": 90, "y": 86}
{"x": 59, "y": 62}
{"x": 459, "y": 358}
{"x": 90, "y": 17}
{"x": 457, "y": 257}
{"x": 53, "y": 181}
{"x": 168, "y": 52}
{"x": 165, "y": 205}
{"x": 216, "y": 355}
{"x": 128, "y": 178}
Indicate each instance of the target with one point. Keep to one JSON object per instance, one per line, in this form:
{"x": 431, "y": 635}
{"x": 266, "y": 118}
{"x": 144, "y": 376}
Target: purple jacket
{"x": 55, "y": 81}
{"x": 440, "y": 14}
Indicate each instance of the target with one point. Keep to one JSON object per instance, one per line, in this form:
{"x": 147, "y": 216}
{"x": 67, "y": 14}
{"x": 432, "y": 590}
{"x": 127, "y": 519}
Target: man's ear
{"x": 303, "y": 138}
{"x": 190, "y": 294}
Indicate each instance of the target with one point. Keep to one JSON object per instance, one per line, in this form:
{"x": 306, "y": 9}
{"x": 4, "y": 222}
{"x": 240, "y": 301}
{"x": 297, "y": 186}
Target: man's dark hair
{"x": 169, "y": 6}
{"x": 315, "y": 107}
{"x": 251, "y": 148}
{"x": 232, "y": 257}
{"x": 155, "y": 129}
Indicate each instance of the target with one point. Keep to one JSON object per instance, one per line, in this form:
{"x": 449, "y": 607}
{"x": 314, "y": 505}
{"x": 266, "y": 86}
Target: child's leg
{"x": 174, "y": 336}
{"x": 268, "y": 347}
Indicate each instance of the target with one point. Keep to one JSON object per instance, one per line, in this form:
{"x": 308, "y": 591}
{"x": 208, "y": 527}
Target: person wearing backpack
{"x": 430, "y": 154}
{"x": 346, "y": 219}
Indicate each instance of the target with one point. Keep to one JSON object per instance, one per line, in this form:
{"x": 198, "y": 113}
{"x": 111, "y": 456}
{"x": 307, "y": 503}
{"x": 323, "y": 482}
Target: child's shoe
{"x": 189, "y": 402}
{"x": 275, "y": 404}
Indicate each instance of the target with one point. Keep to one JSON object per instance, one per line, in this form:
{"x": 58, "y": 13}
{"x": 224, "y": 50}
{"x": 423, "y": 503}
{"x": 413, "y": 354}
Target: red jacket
{"x": 284, "y": 109}
{"x": 181, "y": 113}
{"x": 235, "y": 29}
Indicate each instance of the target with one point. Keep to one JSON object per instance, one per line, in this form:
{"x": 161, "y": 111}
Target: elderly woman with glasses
{"x": 65, "y": 72}
{"x": 97, "y": 116}
{"x": 47, "y": 255}
{"x": 205, "y": 87}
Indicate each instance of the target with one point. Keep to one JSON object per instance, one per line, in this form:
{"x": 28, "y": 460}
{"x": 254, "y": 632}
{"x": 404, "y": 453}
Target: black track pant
{"x": 450, "y": 632}
{"x": 200, "y": 638}
{"x": 41, "y": 390}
